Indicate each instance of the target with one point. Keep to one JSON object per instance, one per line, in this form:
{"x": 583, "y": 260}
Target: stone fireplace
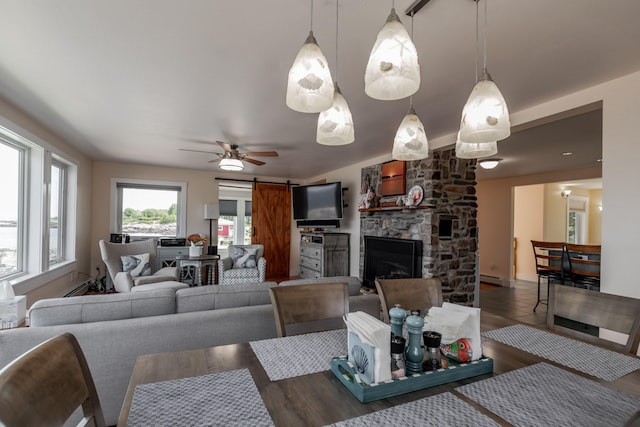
{"x": 447, "y": 228}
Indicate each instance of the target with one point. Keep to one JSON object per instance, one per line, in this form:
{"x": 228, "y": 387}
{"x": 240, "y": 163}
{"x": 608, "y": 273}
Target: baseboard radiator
{"x": 495, "y": 280}
{"x": 81, "y": 289}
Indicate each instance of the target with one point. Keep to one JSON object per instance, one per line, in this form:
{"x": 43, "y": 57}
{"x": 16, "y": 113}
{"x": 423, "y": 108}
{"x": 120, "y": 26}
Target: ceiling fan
{"x": 232, "y": 159}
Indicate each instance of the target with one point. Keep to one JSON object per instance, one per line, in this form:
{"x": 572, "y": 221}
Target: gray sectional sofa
{"x": 114, "y": 329}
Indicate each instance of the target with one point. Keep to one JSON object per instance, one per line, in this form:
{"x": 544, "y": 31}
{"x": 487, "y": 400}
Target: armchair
{"x": 245, "y": 264}
{"x": 136, "y": 280}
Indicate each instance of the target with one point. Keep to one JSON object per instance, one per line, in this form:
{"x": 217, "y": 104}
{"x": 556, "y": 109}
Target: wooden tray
{"x": 365, "y": 393}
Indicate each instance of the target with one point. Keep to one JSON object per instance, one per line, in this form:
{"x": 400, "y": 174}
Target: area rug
{"x": 225, "y": 399}
{"x": 545, "y": 395}
{"x": 299, "y": 355}
{"x": 440, "y": 410}
{"x": 590, "y": 359}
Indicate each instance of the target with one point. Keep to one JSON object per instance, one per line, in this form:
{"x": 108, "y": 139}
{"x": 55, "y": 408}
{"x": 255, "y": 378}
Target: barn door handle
{"x": 254, "y": 232}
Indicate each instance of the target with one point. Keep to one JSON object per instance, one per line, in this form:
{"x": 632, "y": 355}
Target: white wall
{"x": 528, "y": 220}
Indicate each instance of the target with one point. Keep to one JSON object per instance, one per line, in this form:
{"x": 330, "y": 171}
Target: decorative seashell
{"x": 360, "y": 358}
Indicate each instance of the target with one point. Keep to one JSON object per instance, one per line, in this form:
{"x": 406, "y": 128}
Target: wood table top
{"x": 320, "y": 399}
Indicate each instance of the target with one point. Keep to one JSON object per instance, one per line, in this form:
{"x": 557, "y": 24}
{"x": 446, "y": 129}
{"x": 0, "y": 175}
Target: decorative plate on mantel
{"x": 415, "y": 194}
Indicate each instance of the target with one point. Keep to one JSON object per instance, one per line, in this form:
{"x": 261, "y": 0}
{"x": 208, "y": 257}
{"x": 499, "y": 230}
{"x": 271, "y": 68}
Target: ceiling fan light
{"x": 233, "y": 165}
{"x": 476, "y": 150}
{"x": 335, "y": 125}
{"x": 485, "y": 117}
{"x": 393, "y": 71}
{"x": 310, "y": 86}
{"x": 410, "y": 142}
{"x": 489, "y": 163}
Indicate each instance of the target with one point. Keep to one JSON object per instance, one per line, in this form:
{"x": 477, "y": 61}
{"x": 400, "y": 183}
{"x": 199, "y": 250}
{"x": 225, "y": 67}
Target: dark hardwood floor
{"x": 516, "y": 302}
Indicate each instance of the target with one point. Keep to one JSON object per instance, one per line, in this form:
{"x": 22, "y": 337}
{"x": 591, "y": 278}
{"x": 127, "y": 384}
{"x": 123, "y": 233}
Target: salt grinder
{"x": 397, "y": 357}
{"x": 413, "y": 352}
{"x": 396, "y": 318}
{"x": 432, "y": 358}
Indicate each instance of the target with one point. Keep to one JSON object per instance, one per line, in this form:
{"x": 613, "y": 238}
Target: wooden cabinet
{"x": 324, "y": 255}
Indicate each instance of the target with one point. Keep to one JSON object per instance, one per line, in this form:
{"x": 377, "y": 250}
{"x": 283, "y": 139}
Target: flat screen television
{"x": 320, "y": 203}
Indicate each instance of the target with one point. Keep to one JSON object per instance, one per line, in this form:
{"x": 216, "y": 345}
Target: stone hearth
{"x": 448, "y": 229}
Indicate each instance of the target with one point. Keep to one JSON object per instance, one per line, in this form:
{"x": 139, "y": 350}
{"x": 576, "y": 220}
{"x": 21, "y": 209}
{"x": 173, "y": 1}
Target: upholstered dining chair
{"x": 614, "y": 312}
{"x": 47, "y": 384}
{"x": 309, "y": 308}
{"x": 130, "y": 267}
{"x": 411, "y": 294}
{"x": 245, "y": 264}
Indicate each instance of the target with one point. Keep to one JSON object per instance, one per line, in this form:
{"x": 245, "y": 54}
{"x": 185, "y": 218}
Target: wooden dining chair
{"x": 549, "y": 257}
{"x": 309, "y": 306}
{"x": 47, "y": 384}
{"x": 411, "y": 294}
{"x": 615, "y": 312}
{"x": 584, "y": 265}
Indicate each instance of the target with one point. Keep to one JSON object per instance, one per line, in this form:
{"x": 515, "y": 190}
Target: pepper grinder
{"x": 413, "y": 352}
{"x": 396, "y": 319}
{"x": 432, "y": 342}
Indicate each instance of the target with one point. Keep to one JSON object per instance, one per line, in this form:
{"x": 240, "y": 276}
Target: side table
{"x": 198, "y": 270}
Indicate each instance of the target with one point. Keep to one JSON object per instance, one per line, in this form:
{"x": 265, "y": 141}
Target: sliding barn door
{"x": 271, "y": 217}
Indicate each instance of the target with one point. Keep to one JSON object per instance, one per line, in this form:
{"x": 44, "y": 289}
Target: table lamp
{"x": 211, "y": 212}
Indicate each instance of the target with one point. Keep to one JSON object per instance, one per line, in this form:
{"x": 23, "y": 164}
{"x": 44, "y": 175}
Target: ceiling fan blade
{"x": 197, "y": 151}
{"x": 262, "y": 154}
{"x": 225, "y": 146}
{"x": 253, "y": 161}
{"x": 215, "y": 160}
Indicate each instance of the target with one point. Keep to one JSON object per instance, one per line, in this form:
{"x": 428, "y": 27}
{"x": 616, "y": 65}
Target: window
{"x": 11, "y": 221}
{"x": 144, "y": 209}
{"x": 57, "y": 217}
{"x": 37, "y": 213}
{"x": 234, "y": 223}
{"x": 577, "y": 220}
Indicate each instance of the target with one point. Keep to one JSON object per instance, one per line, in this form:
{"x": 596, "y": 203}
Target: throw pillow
{"x": 243, "y": 257}
{"x": 136, "y": 265}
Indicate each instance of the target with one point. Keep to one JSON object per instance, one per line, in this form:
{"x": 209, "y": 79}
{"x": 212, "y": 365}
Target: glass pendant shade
{"x": 335, "y": 125}
{"x": 485, "y": 117}
{"x": 410, "y": 142}
{"x": 393, "y": 71}
{"x": 476, "y": 150}
{"x": 231, "y": 165}
{"x": 310, "y": 86}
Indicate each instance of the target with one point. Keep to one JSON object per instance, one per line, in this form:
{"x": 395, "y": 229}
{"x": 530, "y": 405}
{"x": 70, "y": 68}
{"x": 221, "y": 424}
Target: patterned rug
{"x": 590, "y": 359}
{"x": 299, "y": 355}
{"x": 440, "y": 410}
{"x": 544, "y": 395}
{"x": 224, "y": 399}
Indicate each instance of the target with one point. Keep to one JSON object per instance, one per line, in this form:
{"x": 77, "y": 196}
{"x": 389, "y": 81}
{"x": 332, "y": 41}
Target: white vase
{"x": 195, "y": 251}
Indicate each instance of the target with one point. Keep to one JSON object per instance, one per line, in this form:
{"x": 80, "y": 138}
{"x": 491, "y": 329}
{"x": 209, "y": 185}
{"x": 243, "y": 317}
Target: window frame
{"x": 33, "y": 215}
{"x": 115, "y": 216}
{"x": 62, "y": 210}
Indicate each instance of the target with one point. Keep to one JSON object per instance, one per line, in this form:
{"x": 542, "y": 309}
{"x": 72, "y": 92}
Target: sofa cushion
{"x": 352, "y": 282}
{"x": 143, "y": 285}
{"x": 217, "y": 297}
{"x": 99, "y": 308}
{"x": 136, "y": 265}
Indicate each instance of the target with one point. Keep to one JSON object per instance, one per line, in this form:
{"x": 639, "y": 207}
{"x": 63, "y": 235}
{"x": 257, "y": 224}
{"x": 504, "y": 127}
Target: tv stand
{"x": 324, "y": 254}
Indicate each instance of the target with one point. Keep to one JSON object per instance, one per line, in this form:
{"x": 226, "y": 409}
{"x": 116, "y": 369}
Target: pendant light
{"x": 335, "y": 125}
{"x": 485, "y": 117}
{"x": 476, "y": 150}
{"x": 310, "y": 87}
{"x": 393, "y": 71}
{"x": 410, "y": 142}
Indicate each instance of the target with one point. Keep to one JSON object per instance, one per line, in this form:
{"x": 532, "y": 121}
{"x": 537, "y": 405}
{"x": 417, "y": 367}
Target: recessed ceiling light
{"x": 567, "y": 153}
{"x": 599, "y": 160}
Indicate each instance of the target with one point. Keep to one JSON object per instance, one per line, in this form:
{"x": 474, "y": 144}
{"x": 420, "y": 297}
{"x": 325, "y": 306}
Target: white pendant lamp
{"x": 410, "y": 142}
{"x": 335, "y": 125}
{"x": 233, "y": 165}
{"x": 393, "y": 71}
{"x": 310, "y": 87}
{"x": 485, "y": 116}
{"x": 477, "y": 150}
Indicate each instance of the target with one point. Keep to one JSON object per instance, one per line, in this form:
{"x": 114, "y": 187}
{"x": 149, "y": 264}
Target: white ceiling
{"x": 134, "y": 81}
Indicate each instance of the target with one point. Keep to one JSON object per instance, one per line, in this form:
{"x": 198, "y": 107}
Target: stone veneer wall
{"x": 449, "y": 186}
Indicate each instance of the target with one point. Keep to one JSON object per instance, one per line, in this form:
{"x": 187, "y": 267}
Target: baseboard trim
{"x": 494, "y": 280}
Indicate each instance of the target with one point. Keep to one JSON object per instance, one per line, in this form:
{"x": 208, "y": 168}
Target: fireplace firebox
{"x": 390, "y": 258}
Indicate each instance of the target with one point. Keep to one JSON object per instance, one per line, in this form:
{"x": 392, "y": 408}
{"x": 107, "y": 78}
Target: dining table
{"x": 319, "y": 398}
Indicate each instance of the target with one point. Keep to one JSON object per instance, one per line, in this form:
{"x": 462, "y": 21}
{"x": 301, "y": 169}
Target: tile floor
{"x": 516, "y": 302}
